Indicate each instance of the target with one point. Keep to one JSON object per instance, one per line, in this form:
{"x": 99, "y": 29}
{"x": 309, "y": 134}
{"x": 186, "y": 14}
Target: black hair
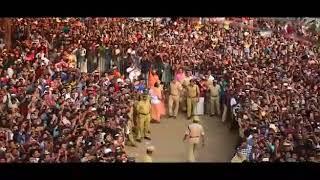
{"x": 149, "y": 152}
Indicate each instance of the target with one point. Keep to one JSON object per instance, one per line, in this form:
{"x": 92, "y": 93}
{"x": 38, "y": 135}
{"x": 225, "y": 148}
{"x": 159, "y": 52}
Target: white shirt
{"x": 154, "y": 98}
{"x": 67, "y": 95}
{"x": 211, "y": 78}
{"x": 134, "y": 73}
{"x": 10, "y": 72}
{"x": 83, "y": 52}
{"x": 43, "y": 58}
{"x": 233, "y": 102}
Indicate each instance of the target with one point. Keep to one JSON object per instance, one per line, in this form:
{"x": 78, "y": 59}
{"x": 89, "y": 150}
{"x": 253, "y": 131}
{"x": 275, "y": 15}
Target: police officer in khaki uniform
{"x": 207, "y": 95}
{"x": 185, "y": 84}
{"x": 144, "y": 117}
{"x": 215, "y": 90}
{"x": 193, "y": 94}
{"x": 148, "y": 157}
{"x": 193, "y": 134}
{"x": 174, "y": 98}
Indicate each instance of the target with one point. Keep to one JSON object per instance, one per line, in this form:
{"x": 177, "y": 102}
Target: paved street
{"x": 167, "y": 139}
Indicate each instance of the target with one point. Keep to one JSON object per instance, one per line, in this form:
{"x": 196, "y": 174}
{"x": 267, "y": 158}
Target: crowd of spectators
{"x": 66, "y": 91}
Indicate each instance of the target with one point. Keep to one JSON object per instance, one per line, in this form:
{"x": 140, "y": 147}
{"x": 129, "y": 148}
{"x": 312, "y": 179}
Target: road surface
{"x": 169, "y": 147}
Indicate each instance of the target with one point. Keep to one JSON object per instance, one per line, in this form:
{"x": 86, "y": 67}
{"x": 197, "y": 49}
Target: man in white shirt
{"x": 210, "y": 77}
{"x": 80, "y": 54}
{"x": 134, "y": 73}
{"x": 10, "y": 72}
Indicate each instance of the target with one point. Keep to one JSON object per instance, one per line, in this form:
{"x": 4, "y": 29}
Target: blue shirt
{"x": 21, "y": 138}
{"x": 64, "y": 77}
{"x": 56, "y": 132}
{"x": 249, "y": 146}
{"x": 140, "y": 87}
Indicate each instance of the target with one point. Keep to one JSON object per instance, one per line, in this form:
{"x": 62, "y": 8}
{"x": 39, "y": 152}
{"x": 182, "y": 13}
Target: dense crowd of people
{"x": 69, "y": 86}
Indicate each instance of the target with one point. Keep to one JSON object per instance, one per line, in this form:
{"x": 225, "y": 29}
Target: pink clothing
{"x": 153, "y": 79}
{"x": 61, "y": 64}
{"x": 180, "y": 77}
{"x": 49, "y": 100}
{"x": 157, "y": 106}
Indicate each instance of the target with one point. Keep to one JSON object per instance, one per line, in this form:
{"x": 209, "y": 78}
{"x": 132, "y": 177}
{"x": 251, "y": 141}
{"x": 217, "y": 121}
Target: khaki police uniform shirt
{"x": 147, "y": 159}
{"x": 193, "y": 91}
{"x": 214, "y": 90}
{"x": 175, "y": 88}
{"x": 186, "y": 81}
{"x": 208, "y": 82}
{"x": 194, "y": 132}
{"x": 144, "y": 107}
{"x": 238, "y": 159}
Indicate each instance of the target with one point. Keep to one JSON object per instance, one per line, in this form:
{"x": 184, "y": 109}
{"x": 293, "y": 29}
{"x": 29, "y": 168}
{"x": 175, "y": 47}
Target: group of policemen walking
{"x": 186, "y": 93}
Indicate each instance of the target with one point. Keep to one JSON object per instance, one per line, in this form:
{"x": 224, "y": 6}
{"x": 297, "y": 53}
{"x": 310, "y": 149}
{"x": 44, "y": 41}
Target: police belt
{"x": 144, "y": 114}
{"x": 215, "y": 96}
{"x": 194, "y": 136}
{"x": 192, "y": 97}
{"x": 173, "y": 95}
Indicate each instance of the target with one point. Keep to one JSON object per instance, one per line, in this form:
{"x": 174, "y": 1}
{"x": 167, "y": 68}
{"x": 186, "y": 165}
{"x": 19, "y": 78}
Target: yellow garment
{"x": 191, "y": 151}
{"x": 192, "y": 99}
{"x": 238, "y": 159}
{"x": 72, "y": 60}
{"x": 191, "y": 106}
{"x": 147, "y": 159}
{"x": 173, "y": 100}
{"x": 214, "y": 90}
{"x": 144, "y": 107}
{"x": 226, "y": 25}
{"x": 175, "y": 88}
{"x": 144, "y": 118}
{"x": 193, "y": 91}
{"x": 214, "y": 99}
{"x": 186, "y": 81}
{"x": 198, "y": 27}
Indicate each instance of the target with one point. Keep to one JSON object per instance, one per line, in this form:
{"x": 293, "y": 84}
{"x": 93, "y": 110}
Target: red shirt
{"x": 203, "y": 89}
{"x": 93, "y": 91}
{"x": 54, "y": 84}
{"x": 39, "y": 72}
{"x": 42, "y": 48}
{"x": 116, "y": 74}
{"x": 14, "y": 90}
{"x": 30, "y": 57}
{"x": 138, "y": 36}
{"x": 116, "y": 87}
{"x": 61, "y": 64}
{"x": 49, "y": 100}
{"x": 4, "y": 80}
{"x": 48, "y": 81}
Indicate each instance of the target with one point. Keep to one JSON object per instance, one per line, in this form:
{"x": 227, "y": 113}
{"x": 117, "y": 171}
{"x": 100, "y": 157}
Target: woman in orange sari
{"x": 153, "y": 78}
{"x": 157, "y": 105}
